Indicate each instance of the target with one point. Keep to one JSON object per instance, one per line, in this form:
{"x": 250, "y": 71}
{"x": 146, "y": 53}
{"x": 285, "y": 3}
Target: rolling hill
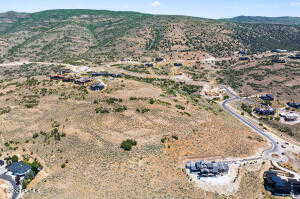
{"x": 100, "y": 35}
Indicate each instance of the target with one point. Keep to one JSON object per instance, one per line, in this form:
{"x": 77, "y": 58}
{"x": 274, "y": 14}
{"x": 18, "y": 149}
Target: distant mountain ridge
{"x": 286, "y": 20}
{"x": 103, "y": 35}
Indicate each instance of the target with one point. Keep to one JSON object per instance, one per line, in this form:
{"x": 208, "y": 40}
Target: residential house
{"x": 268, "y": 97}
{"x": 97, "y": 86}
{"x": 293, "y": 105}
{"x": 265, "y": 111}
{"x": 19, "y": 168}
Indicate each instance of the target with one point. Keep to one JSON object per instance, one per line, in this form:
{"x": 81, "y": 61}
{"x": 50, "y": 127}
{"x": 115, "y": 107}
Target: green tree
{"x": 226, "y": 97}
{"x": 151, "y": 101}
{"x": 14, "y": 158}
{"x": 128, "y": 144}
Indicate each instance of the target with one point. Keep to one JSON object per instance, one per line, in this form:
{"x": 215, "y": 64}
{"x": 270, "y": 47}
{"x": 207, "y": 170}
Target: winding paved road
{"x": 267, "y": 154}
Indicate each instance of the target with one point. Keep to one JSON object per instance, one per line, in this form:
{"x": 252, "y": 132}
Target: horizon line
{"x": 225, "y": 17}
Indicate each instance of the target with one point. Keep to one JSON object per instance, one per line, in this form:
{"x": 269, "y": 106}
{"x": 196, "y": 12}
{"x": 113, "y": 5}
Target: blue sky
{"x": 199, "y": 8}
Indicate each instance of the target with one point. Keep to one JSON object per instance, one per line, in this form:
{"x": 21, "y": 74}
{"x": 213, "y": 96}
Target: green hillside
{"x": 101, "y": 35}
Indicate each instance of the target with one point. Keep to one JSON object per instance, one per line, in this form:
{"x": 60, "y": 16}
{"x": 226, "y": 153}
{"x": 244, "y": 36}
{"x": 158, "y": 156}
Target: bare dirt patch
{"x": 5, "y": 192}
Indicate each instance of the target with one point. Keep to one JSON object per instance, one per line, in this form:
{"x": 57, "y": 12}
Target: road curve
{"x": 267, "y": 154}
{"x": 251, "y": 125}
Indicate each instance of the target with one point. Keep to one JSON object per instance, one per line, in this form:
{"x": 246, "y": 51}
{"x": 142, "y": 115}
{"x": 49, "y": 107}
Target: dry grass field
{"x": 86, "y": 161}
{"x": 4, "y": 190}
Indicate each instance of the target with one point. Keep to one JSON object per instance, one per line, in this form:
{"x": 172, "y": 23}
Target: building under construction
{"x": 208, "y": 169}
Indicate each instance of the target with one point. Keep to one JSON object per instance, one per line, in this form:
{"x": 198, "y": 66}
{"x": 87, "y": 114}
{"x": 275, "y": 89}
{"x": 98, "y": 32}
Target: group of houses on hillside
{"x": 292, "y": 56}
{"x": 177, "y": 64}
{"x": 275, "y": 58}
{"x": 66, "y": 76}
{"x": 266, "y": 110}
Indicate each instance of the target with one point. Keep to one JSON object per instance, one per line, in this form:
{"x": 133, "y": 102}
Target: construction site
{"x": 220, "y": 177}
{"x": 208, "y": 169}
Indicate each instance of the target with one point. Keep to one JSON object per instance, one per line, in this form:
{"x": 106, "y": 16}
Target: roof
{"x": 65, "y": 71}
{"x": 293, "y": 104}
{"x": 19, "y": 168}
{"x": 244, "y": 58}
{"x": 83, "y": 79}
{"x": 177, "y": 64}
{"x": 267, "y": 97}
{"x": 159, "y": 59}
{"x": 295, "y": 57}
{"x": 98, "y": 86}
{"x": 279, "y": 50}
{"x": 148, "y": 64}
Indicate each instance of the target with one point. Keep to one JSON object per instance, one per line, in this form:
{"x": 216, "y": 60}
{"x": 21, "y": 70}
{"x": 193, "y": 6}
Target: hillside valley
{"x": 111, "y": 104}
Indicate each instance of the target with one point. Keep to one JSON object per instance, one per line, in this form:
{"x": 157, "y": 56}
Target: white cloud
{"x": 295, "y": 3}
{"x": 155, "y": 4}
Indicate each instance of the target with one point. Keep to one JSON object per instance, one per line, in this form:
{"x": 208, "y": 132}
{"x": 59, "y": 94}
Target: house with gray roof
{"x": 19, "y": 168}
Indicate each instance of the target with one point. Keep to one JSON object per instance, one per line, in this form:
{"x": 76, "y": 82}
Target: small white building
{"x": 279, "y": 51}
